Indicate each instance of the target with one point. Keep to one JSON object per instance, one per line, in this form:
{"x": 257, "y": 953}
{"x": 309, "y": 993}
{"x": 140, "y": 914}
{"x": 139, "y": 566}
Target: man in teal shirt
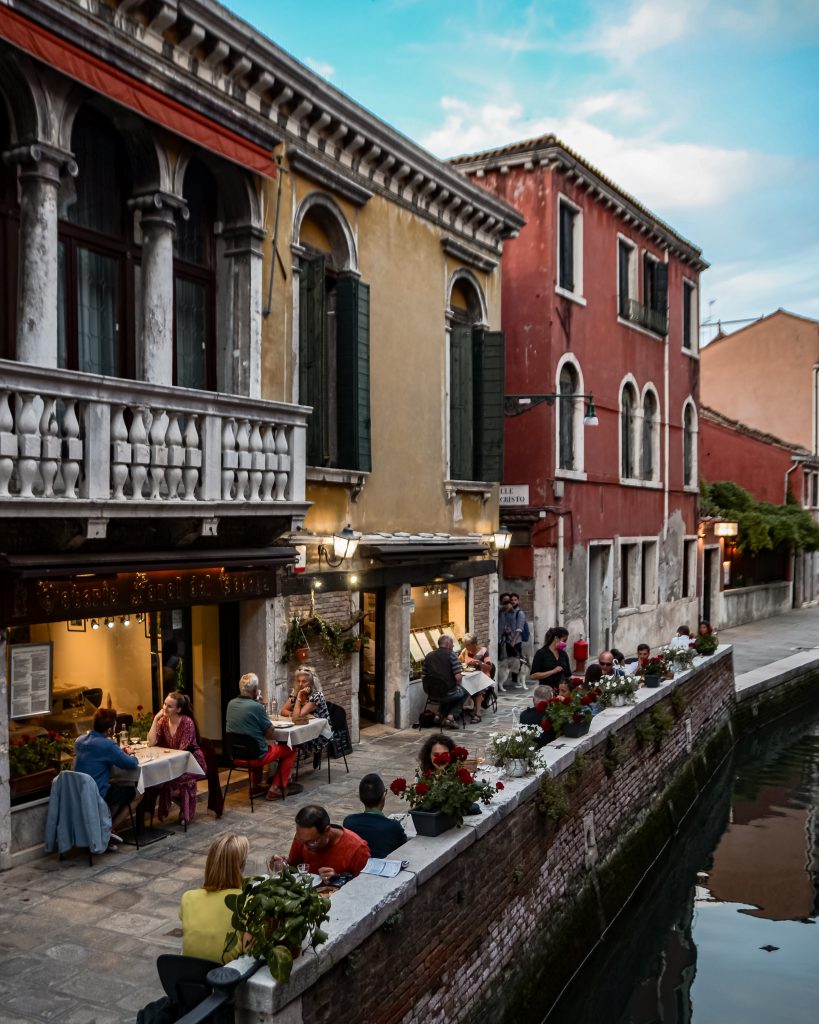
{"x": 382, "y": 834}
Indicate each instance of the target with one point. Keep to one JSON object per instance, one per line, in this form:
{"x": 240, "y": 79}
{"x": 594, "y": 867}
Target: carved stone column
{"x": 154, "y": 356}
{"x": 41, "y": 165}
{"x": 240, "y": 362}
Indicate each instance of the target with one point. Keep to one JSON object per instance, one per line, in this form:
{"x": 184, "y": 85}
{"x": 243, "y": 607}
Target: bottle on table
{"x": 274, "y": 708}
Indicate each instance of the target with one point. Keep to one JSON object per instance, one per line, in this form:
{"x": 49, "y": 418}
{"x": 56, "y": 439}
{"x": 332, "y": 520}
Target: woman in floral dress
{"x": 306, "y": 698}
{"x": 173, "y": 727}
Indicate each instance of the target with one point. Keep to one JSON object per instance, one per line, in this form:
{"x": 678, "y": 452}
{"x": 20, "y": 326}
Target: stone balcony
{"x": 99, "y": 448}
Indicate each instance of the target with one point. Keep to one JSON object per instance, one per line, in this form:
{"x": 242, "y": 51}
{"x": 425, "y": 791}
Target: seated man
{"x": 607, "y": 662}
{"x": 95, "y": 754}
{"x": 535, "y": 715}
{"x": 381, "y": 834}
{"x": 441, "y": 680}
{"x": 642, "y": 659}
{"x": 247, "y": 717}
{"x": 326, "y": 849}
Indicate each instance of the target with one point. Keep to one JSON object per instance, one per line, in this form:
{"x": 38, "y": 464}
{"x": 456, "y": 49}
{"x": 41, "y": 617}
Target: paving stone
{"x": 39, "y": 1005}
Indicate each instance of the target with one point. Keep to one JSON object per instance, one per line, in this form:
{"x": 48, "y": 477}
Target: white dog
{"x": 505, "y": 669}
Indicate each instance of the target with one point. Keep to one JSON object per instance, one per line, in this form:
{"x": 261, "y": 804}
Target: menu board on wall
{"x": 30, "y": 680}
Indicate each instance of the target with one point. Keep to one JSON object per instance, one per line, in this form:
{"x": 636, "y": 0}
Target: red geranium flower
{"x": 499, "y": 786}
{"x": 546, "y": 724}
{"x": 398, "y": 786}
{"x": 540, "y": 707}
{"x": 442, "y": 758}
{"x": 459, "y": 754}
{"x": 421, "y": 788}
{"x": 464, "y": 776}
{"x": 588, "y": 699}
{"x": 577, "y": 717}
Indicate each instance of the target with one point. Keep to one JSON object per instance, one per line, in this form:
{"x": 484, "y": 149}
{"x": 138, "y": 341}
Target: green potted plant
{"x": 653, "y": 671}
{"x": 35, "y": 760}
{"x": 516, "y": 752}
{"x": 705, "y": 645}
{"x": 571, "y": 715}
{"x": 272, "y": 918}
{"x": 678, "y": 657}
{"x": 617, "y": 691}
{"x": 440, "y": 798}
{"x": 296, "y": 647}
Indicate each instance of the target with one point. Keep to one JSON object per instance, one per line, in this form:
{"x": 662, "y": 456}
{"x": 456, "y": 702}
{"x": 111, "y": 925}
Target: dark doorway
{"x": 229, "y": 661}
{"x": 708, "y": 581}
{"x": 371, "y": 665}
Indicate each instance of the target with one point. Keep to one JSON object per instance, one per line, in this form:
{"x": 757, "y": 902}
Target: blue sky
{"x": 706, "y": 110}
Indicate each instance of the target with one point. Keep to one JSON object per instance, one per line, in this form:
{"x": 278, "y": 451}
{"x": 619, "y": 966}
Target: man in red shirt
{"x": 327, "y": 849}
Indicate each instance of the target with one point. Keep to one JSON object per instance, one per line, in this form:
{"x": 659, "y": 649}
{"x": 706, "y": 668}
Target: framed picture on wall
{"x": 75, "y": 625}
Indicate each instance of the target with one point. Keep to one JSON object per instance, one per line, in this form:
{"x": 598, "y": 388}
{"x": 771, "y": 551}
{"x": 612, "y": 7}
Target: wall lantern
{"x": 515, "y": 405}
{"x": 502, "y": 538}
{"x": 345, "y": 543}
{"x": 726, "y": 529}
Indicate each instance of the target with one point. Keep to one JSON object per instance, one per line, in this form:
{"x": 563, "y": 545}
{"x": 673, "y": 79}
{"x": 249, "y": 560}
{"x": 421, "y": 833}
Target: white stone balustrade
{"x": 76, "y": 438}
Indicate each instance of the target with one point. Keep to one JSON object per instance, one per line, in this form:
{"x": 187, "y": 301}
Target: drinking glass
{"x": 304, "y": 871}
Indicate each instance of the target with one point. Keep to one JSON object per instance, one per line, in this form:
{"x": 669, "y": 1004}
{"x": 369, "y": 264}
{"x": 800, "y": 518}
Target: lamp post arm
{"x": 515, "y": 405}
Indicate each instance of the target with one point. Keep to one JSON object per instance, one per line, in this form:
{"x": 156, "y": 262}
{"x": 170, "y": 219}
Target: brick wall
{"x": 471, "y": 931}
{"x": 480, "y": 608}
{"x": 336, "y": 683}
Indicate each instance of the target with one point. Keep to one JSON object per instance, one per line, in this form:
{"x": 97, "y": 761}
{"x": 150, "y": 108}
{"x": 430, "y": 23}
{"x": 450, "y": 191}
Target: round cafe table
{"x": 294, "y": 735}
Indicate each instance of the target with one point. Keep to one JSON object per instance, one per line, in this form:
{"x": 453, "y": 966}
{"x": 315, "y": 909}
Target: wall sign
{"x": 30, "y": 680}
{"x": 514, "y": 494}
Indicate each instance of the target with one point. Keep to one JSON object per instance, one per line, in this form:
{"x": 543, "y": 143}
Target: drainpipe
{"x": 797, "y": 461}
{"x": 560, "y": 582}
{"x": 666, "y": 435}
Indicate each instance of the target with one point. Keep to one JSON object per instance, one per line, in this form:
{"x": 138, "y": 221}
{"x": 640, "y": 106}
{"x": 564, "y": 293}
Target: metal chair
{"x": 435, "y": 698}
{"x": 241, "y": 754}
{"x": 202, "y": 991}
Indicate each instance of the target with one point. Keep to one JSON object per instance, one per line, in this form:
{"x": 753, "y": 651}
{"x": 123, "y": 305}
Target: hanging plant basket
{"x": 302, "y": 653}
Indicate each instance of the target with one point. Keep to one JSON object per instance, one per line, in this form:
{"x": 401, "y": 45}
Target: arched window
{"x": 650, "y": 439}
{"x": 334, "y": 339}
{"x": 475, "y": 385}
{"x": 689, "y": 445}
{"x": 568, "y": 418}
{"x": 95, "y": 290}
{"x": 194, "y": 283}
{"x": 9, "y": 230}
{"x": 628, "y": 405}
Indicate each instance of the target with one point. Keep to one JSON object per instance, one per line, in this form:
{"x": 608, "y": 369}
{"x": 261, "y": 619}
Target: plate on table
{"x": 285, "y": 724}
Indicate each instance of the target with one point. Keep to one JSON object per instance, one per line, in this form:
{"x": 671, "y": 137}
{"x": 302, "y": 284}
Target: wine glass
{"x": 304, "y": 872}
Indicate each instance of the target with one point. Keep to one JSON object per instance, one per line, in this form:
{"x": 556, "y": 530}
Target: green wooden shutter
{"x": 661, "y": 288}
{"x": 566, "y": 228}
{"x": 312, "y": 384}
{"x": 487, "y": 378}
{"x": 353, "y": 334}
{"x": 460, "y": 404}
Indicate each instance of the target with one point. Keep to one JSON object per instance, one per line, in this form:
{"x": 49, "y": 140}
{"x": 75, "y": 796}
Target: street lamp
{"x": 502, "y": 538}
{"x": 515, "y": 405}
{"x": 345, "y": 543}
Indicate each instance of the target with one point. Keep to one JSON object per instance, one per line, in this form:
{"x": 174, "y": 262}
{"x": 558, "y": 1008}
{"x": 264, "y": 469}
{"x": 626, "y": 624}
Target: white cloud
{"x": 320, "y": 67}
{"x": 650, "y": 25}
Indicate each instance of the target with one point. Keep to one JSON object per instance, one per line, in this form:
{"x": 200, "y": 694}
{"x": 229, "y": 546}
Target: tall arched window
{"x": 95, "y": 291}
{"x": 567, "y": 413}
{"x": 628, "y": 406}
{"x": 194, "y": 283}
{"x": 650, "y": 438}
{"x": 9, "y": 230}
{"x": 689, "y": 445}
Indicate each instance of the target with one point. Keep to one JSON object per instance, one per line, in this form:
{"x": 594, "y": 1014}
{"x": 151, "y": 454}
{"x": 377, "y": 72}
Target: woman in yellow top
{"x": 205, "y": 918}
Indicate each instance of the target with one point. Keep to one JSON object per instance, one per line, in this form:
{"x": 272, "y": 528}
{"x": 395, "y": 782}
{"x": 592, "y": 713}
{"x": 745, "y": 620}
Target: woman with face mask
{"x": 551, "y": 663}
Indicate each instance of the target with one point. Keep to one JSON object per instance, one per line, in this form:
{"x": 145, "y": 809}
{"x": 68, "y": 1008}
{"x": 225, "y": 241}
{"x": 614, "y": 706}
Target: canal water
{"x": 726, "y": 931}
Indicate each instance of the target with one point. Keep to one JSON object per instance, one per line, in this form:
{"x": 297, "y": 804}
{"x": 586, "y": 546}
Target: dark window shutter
{"x": 687, "y": 294}
{"x": 312, "y": 385}
{"x": 661, "y": 287}
{"x": 487, "y": 364}
{"x": 567, "y": 216}
{"x": 623, "y": 261}
{"x": 460, "y": 404}
{"x": 353, "y": 313}
{"x": 648, "y": 281}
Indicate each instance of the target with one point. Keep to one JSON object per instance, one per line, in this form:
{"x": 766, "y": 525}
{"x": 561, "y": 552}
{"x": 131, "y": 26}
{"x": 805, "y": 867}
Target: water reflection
{"x": 726, "y": 931}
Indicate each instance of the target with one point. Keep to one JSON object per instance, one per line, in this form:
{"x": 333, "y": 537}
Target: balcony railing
{"x": 637, "y": 313}
{"x": 77, "y": 439}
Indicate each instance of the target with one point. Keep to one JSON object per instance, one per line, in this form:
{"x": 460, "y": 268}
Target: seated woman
{"x": 593, "y": 675}
{"x": 471, "y": 656}
{"x": 439, "y": 743}
{"x": 173, "y": 727}
{"x": 305, "y": 699}
{"x": 205, "y": 918}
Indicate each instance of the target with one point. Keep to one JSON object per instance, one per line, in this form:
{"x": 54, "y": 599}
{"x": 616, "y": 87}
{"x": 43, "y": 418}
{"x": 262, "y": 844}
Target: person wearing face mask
{"x": 551, "y": 663}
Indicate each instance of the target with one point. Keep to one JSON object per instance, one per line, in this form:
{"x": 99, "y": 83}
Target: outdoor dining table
{"x": 294, "y": 735}
{"x": 474, "y": 682}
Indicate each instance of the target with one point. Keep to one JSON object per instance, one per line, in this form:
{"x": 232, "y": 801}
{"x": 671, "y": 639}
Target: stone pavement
{"x": 78, "y": 944}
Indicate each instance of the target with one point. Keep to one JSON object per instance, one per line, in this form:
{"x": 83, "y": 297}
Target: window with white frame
{"x": 628, "y": 433}
{"x": 626, "y": 279}
{"x": 690, "y": 307}
{"x": 569, "y": 248}
{"x": 689, "y": 568}
{"x": 569, "y": 419}
{"x": 648, "y": 573}
{"x": 650, "y": 437}
{"x": 629, "y": 574}
{"x": 689, "y": 445}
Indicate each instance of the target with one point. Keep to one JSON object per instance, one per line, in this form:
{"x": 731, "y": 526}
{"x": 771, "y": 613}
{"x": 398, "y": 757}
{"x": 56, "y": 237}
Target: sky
{"x": 707, "y": 111}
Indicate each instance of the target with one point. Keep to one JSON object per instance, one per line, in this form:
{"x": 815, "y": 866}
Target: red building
{"x": 600, "y": 298}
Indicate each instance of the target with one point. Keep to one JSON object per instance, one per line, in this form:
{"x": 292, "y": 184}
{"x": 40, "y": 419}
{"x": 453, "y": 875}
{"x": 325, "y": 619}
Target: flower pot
{"x": 618, "y": 700}
{"x": 515, "y": 768}
{"x": 571, "y": 730}
{"x": 431, "y": 823}
{"x": 302, "y": 653}
{"x": 28, "y": 785}
{"x": 652, "y": 681}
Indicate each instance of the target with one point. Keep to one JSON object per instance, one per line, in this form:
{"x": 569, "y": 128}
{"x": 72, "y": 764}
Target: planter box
{"x": 38, "y": 783}
{"x": 431, "y": 823}
{"x": 652, "y": 681}
{"x": 572, "y": 730}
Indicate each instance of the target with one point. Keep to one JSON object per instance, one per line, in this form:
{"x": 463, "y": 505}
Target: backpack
{"x": 524, "y": 633}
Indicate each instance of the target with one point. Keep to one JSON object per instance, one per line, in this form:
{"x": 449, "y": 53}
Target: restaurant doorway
{"x": 371, "y": 663}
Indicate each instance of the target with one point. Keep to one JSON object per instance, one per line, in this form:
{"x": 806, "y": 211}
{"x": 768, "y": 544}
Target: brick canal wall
{"x": 464, "y": 935}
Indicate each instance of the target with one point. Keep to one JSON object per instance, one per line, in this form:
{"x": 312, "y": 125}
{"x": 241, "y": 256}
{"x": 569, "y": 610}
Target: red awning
{"x": 132, "y": 93}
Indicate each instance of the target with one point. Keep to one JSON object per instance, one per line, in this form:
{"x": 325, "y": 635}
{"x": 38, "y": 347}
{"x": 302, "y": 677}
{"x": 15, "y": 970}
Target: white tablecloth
{"x": 474, "y": 682}
{"x": 158, "y": 765}
{"x": 294, "y": 735}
